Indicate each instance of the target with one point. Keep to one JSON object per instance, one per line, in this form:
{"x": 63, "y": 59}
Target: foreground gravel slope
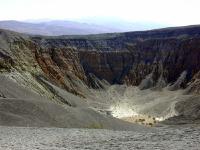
{"x": 69, "y": 139}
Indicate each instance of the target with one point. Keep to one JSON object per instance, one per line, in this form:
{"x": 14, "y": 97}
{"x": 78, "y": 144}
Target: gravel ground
{"x": 173, "y": 138}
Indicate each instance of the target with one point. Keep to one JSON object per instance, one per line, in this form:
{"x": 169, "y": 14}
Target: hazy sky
{"x": 175, "y": 12}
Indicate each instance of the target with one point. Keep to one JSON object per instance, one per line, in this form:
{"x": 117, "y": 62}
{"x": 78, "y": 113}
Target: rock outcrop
{"x": 159, "y": 56}
{"x": 149, "y": 58}
{"x": 62, "y": 67}
{"x": 164, "y": 58}
{"x": 111, "y": 66}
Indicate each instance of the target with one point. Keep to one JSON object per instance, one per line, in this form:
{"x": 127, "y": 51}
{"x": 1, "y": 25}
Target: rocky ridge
{"x": 159, "y": 55}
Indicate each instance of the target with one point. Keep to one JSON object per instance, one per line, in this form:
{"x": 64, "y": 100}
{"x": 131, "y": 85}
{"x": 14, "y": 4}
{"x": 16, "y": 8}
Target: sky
{"x": 173, "y": 12}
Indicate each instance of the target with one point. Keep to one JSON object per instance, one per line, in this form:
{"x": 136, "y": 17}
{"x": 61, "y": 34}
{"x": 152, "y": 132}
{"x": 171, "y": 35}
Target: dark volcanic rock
{"x": 111, "y": 66}
{"x": 155, "y": 58}
{"x": 162, "y": 58}
{"x": 167, "y": 58}
{"x": 159, "y": 55}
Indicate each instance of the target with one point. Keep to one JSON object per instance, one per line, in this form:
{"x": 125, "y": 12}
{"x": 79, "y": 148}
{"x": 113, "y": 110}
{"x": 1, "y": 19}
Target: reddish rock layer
{"x": 62, "y": 66}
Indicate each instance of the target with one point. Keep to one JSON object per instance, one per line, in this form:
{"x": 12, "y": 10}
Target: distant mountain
{"x": 81, "y": 27}
{"x": 53, "y": 27}
{"x": 121, "y": 24}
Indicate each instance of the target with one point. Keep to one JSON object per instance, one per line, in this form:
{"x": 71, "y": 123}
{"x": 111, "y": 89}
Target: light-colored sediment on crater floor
{"x": 173, "y": 138}
{"x": 141, "y": 119}
{"x": 145, "y": 107}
